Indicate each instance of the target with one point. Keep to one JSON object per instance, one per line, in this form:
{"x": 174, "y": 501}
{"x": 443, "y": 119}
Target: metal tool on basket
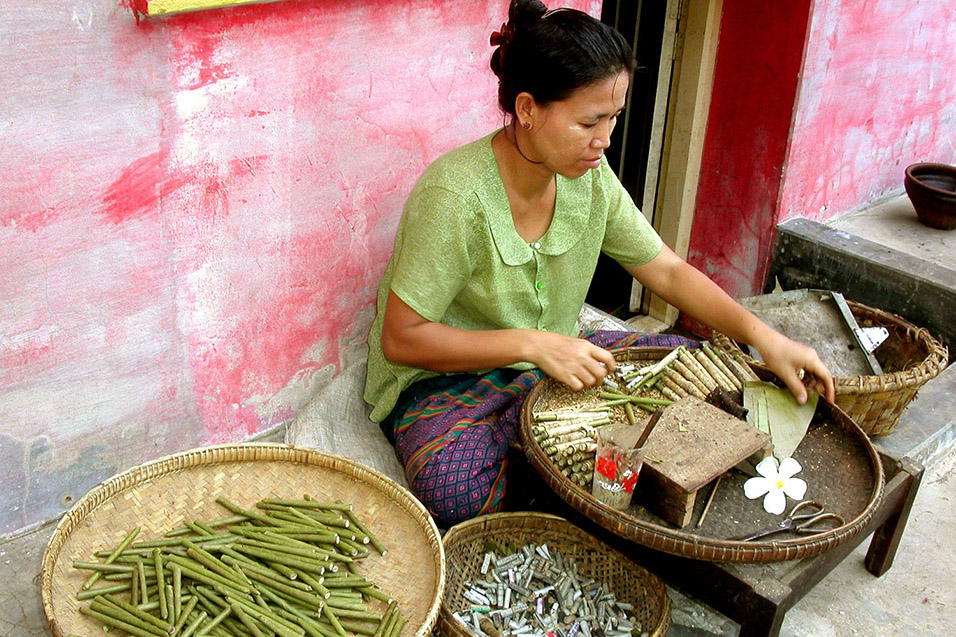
{"x": 814, "y": 519}
{"x": 868, "y": 338}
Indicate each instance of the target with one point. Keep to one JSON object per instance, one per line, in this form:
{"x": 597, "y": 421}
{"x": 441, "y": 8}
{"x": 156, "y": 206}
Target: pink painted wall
{"x": 822, "y": 134}
{"x": 877, "y": 94}
{"x": 197, "y": 210}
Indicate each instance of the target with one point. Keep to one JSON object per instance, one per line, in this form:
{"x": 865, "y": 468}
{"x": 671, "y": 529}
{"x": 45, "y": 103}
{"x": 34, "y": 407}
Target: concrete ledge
{"x": 808, "y": 254}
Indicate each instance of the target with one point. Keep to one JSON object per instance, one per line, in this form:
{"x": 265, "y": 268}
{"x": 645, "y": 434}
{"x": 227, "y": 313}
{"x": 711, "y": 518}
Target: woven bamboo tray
{"x": 465, "y": 549}
{"x": 158, "y": 496}
{"x": 910, "y": 356}
{"x": 840, "y": 465}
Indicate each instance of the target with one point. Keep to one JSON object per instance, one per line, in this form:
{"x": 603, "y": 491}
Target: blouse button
{"x": 538, "y": 285}
{"x": 536, "y": 245}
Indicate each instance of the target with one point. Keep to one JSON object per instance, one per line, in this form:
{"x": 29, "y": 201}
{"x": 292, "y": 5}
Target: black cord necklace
{"x": 514, "y": 141}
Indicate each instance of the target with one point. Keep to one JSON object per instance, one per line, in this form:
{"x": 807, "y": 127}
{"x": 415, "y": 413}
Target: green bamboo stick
{"x": 252, "y": 515}
{"x": 282, "y": 558}
{"x": 396, "y": 628}
{"x": 342, "y": 603}
{"x": 268, "y": 617}
{"x": 374, "y": 541}
{"x": 305, "y": 596}
{"x": 136, "y": 631}
{"x": 215, "y": 621}
{"x": 106, "y": 568}
{"x": 356, "y": 614}
{"x": 177, "y": 591}
{"x": 358, "y": 627}
{"x": 212, "y": 563}
{"x": 170, "y": 603}
{"x": 266, "y": 572}
{"x": 316, "y": 584}
{"x": 333, "y": 620}
{"x": 356, "y": 549}
{"x": 629, "y": 412}
{"x": 143, "y": 587}
{"x": 637, "y": 400}
{"x": 386, "y": 619}
{"x": 309, "y": 503}
{"x": 134, "y": 589}
{"x": 138, "y": 612}
{"x": 305, "y": 550}
{"x": 183, "y": 615}
{"x": 191, "y": 628}
{"x": 246, "y": 620}
{"x": 112, "y": 556}
{"x": 160, "y": 582}
{"x": 233, "y": 519}
{"x": 346, "y": 582}
{"x": 199, "y": 573}
{"x": 141, "y": 548}
{"x": 101, "y": 606}
{"x": 197, "y": 529}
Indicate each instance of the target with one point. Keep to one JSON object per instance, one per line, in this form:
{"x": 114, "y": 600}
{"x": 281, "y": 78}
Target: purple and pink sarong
{"x": 452, "y": 432}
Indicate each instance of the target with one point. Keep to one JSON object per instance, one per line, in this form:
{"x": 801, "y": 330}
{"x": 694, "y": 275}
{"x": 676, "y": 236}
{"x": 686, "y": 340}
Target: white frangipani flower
{"x": 776, "y": 484}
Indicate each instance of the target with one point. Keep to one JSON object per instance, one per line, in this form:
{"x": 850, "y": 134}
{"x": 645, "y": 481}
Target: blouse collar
{"x": 571, "y": 212}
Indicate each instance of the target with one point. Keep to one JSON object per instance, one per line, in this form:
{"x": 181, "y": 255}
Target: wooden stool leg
{"x": 763, "y": 609}
{"x": 886, "y": 538}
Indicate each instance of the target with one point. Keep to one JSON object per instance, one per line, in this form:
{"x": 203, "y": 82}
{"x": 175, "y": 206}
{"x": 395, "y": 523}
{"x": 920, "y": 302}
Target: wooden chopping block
{"x": 693, "y": 443}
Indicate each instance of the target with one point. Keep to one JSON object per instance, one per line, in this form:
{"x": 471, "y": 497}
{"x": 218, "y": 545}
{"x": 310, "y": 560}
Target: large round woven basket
{"x": 910, "y": 356}
{"x": 838, "y": 459}
{"x": 465, "y": 548}
{"x": 160, "y": 495}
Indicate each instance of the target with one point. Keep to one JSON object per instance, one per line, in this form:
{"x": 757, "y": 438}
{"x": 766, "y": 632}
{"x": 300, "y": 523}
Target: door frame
{"x": 691, "y": 86}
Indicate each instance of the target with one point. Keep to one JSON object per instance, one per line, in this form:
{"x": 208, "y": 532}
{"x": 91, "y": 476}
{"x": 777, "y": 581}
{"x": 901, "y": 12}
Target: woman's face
{"x": 570, "y": 135}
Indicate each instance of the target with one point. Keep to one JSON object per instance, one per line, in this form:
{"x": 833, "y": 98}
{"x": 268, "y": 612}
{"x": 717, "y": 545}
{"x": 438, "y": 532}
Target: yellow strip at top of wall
{"x": 161, "y": 7}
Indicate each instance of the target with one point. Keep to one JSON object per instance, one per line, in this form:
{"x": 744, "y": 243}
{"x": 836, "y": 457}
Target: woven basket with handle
{"x": 910, "y": 357}
{"x": 465, "y": 549}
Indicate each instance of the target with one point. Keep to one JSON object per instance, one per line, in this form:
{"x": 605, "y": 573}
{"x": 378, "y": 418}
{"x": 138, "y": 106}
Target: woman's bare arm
{"x": 689, "y": 290}
{"x": 410, "y": 339}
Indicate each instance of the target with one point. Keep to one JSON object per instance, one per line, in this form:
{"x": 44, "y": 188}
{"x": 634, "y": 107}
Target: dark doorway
{"x": 642, "y": 23}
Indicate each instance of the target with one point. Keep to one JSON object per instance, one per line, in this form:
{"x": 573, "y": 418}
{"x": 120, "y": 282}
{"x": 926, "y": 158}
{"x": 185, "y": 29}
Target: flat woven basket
{"x": 839, "y": 462}
{"x": 160, "y": 495}
{"x": 910, "y": 356}
{"x": 465, "y": 549}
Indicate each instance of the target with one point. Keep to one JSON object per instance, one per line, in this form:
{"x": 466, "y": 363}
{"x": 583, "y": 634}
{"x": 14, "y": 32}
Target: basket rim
{"x": 232, "y": 453}
{"x": 678, "y": 542}
{"x": 460, "y": 533}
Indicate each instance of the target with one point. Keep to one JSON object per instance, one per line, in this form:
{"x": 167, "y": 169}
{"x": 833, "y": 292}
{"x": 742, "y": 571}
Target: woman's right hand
{"x": 575, "y": 362}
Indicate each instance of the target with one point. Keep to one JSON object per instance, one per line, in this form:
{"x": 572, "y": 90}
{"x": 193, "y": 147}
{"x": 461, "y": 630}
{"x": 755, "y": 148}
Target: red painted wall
{"x": 755, "y": 82}
{"x": 197, "y": 210}
{"x": 822, "y": 134}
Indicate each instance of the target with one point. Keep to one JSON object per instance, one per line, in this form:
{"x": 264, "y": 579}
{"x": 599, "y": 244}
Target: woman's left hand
{"x": 798, "y": 366}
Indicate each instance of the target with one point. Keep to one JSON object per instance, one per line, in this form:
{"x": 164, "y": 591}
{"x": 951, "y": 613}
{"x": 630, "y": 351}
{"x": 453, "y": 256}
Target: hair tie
{"x": 503, "y": 35}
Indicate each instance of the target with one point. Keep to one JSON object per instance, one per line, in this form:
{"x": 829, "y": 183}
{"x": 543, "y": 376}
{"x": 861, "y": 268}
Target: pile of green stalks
{"x": 288, "y": 568}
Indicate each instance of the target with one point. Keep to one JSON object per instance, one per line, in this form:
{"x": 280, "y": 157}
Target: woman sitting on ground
{"x": 494, "y": 256}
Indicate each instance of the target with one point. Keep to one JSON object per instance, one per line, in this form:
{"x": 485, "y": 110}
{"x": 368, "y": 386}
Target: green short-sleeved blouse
{"x": 458, "y": 259}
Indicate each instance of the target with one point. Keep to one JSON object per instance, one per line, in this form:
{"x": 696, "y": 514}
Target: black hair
{"x": 550, "y": 54}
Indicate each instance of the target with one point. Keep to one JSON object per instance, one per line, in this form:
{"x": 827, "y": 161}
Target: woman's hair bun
{"x": 521, "y": 15}
{"x": 551, "y": 54}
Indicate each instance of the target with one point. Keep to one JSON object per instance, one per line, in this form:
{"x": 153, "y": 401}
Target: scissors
{"x": 814, "y": 519}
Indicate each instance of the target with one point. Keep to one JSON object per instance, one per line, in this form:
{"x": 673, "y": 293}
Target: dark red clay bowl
{"x": 932, "y": 189}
